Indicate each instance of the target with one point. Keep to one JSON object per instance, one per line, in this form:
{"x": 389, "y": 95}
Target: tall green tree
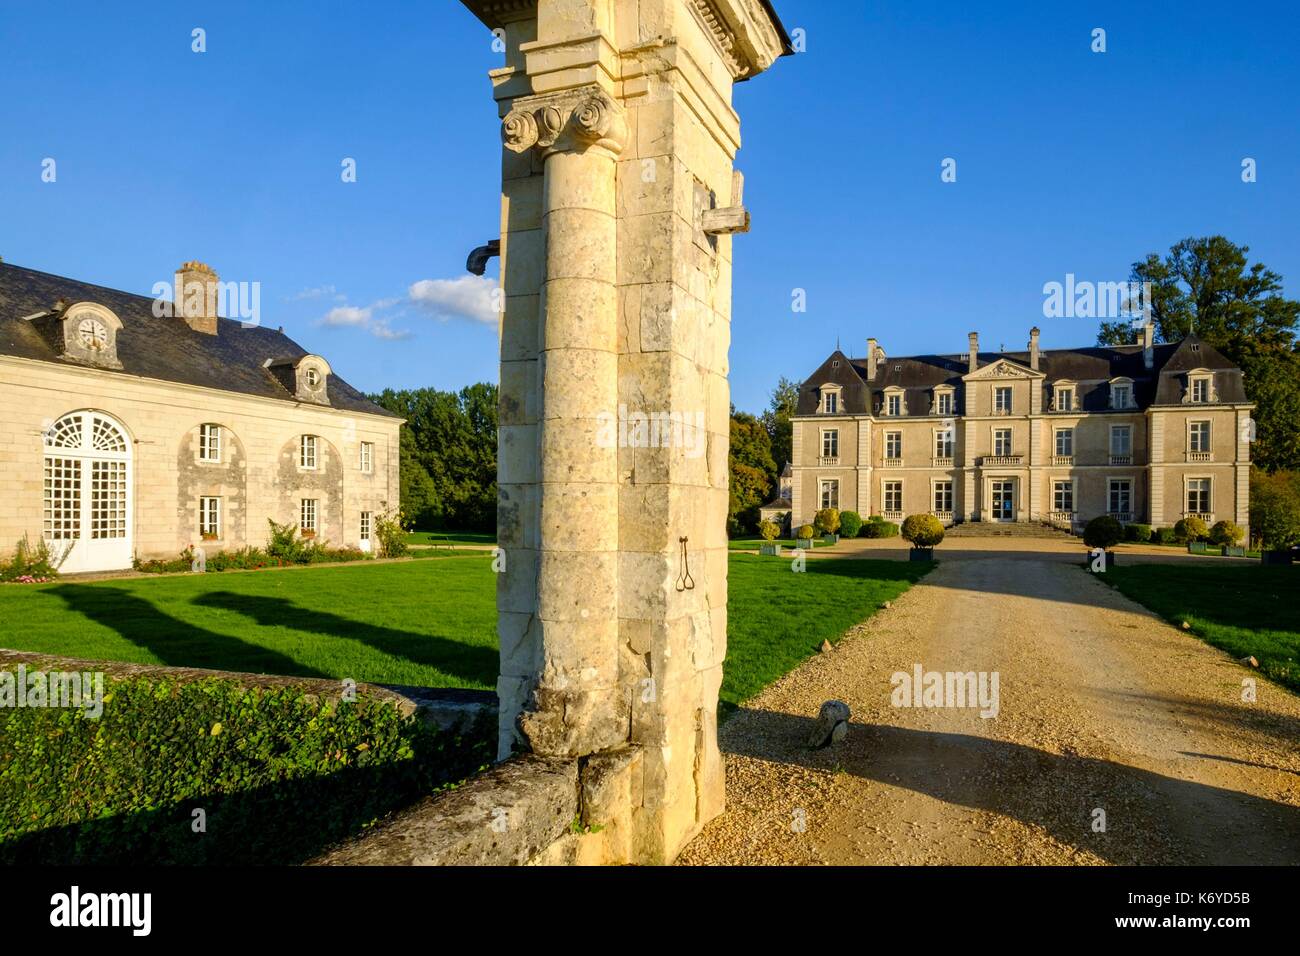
{"x": 449, "y": 455}
{"x": 1208, "y": 286}
{"x": 753, "y": 472}
{"x": 777, "y": 420}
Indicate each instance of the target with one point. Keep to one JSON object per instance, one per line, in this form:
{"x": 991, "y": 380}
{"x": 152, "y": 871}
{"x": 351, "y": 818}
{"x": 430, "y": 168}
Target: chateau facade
{"x": 1148, "y": 433}
{"x": 127, "y": 433}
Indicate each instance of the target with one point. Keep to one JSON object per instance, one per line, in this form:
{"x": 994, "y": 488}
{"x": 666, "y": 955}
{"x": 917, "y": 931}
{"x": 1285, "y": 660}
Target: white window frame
{"x": 1006, "y": 452}
{"x": 885, "y": 486}
{"x": 1110, "y": 485}
{"x": 210, "y": 515}
{"x": 1209, "y": 494}
{"x": 946, "y": 486}
{"x": 1060, "y": 391}
{"x": 1116, "y": 429}
{"x": 944, "y": 401}
{"x": 210, "y": 443}
{"x": 829, "y": 403}
{"x": 1122, "y": 386}
{"x": 367, "y": 457}
{"x": 1192, "y": 430}
{"x": 828, "y": 484}
{"x": 894, "y": 438}
{"x": 1068, "y": 485}
{"x": 998, "y": 407}
{"x": 309, "y": 452}
{"x": 831, "y": 441}
{"x": 367, "y": 525}
{"x": 1068, "y": 434}
{"x": 945, "y": 442}
{"x": 309, "y": 515}
{"x": 1200, "y": 378}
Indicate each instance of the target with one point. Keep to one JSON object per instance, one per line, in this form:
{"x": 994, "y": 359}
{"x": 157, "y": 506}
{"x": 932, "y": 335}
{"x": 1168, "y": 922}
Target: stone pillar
{"x": 618, "y": 201}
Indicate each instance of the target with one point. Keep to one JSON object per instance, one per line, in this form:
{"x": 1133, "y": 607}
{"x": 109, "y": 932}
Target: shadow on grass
{"x": 1056, "y": 792}
{"x": 171, "y": 640}
{"x": 468, "y": 662}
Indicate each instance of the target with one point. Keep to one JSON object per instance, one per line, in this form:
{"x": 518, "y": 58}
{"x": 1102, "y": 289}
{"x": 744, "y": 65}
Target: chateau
{"x": 134, "y": 427}
{"x": 1148, "y": 432}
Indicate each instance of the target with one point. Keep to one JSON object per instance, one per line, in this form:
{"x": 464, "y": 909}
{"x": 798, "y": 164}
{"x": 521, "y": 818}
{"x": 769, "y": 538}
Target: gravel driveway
{"x": 1102, "y": 707}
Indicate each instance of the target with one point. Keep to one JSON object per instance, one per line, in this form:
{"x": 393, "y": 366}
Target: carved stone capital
{"x": 593, "y": 119}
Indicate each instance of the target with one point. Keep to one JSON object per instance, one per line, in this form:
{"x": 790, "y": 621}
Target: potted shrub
{"x": 804, "y": 539}
{"x": 1226, "y": 535}
{"x": 924, "y": 532}
{"x": 1192, "y": 532}
{"x": 1103, "y": 533}
{"x": 769, "y": 530}
{"x": 826, "y": 523}
{"x": 850, "y": 524}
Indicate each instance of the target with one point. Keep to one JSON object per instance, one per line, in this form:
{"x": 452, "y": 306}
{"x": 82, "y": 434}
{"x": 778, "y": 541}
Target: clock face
{"x": 93, "y": 334}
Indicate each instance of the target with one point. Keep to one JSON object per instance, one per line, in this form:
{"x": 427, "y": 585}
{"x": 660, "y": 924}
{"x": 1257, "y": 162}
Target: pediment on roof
{"x": 999, "y": 370}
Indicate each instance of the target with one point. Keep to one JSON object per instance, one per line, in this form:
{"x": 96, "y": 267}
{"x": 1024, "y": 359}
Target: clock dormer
{"x": 90, "y": 335}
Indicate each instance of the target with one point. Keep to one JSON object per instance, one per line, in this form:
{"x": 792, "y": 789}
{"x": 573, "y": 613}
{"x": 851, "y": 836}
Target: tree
{"x": 776, "y": 420}
{"x": 449, "y": 455}
{"x": 752, "y": 472}
{"x": 1275, "y": 508}
{"x": 1204, "y": 285}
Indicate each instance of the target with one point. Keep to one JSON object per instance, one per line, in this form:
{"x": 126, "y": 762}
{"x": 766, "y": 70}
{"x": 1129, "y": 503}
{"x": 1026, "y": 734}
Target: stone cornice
{"x": 497, "y": 13}
{"x": 745, "y": 33}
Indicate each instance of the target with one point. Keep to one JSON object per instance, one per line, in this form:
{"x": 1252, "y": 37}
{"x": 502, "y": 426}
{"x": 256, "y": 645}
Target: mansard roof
{"x": 1091, "y": 369}
{"x": 160, "y": 347}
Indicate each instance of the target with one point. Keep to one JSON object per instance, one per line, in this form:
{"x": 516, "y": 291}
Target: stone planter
{"x": 1234, "y": 552}
{"x": 770, "y": 548}
{"x": 921, "y": 554}
{"x": 805, "y": 543}
{"x": 1106, "y": 565}
{"x": 1276, "y": 557}
{"x": 1196, "y": 547}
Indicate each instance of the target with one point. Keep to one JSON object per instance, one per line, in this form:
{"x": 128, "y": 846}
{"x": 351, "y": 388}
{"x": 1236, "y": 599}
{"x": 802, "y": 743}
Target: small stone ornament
{"x": 832, "y": 725}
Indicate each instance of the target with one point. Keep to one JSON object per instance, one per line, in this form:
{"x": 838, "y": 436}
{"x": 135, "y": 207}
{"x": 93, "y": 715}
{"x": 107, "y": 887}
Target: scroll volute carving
{"x": 595, "y": 120}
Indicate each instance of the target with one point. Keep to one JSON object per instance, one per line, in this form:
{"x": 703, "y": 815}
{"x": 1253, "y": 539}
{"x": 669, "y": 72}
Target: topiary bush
{"x": 1226, "y": 534}
{"x": 1103, "y": 531}
{"x": 922, "y": 530}
{"x": 769, "y": 530}
{"x": 878, "y": 527}
{"x": 827, "y": 521}
{"x": 1137, "y": 532}
{"x": 806, "y": 532}
{"x": 1163, "y": 536}
{"x": 850, "y": 524}
{"x": 124, "y": 788}
{"x": 1190, "y": 529}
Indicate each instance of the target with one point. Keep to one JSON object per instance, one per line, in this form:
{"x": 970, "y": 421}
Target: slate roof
{"x": 1091, "y": 369}
{"x": 160, "y": 348}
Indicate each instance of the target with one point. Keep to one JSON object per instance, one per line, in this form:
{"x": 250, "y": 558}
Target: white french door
{"x": 88, "y": 492}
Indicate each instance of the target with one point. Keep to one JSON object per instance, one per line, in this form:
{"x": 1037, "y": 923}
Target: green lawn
{"x": 751, "y": 543}
{"x": 1241, "y": 609}
{"x": 450, "y": 537}
{"x": 427, "y": 623}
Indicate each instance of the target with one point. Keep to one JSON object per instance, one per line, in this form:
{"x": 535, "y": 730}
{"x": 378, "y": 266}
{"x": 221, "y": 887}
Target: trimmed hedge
{"x": 1163, "y": 536}
{"x": 278, "y": 773}
{"x": 878, "y": 527}
{"x": 850, "y": 524}
{"x": 1137, "y": 532}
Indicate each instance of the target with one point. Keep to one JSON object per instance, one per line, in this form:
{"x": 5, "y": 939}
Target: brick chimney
{"x": 974, "y": 339}
{"x": 1148, "y": 344}
{"x": 871, "y": 360}
{"x": 195, "y": 295}
{"x": 1033, "y": 348}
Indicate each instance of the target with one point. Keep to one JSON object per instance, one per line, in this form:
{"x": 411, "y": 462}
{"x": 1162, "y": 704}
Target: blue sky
{"x": 1068, "y": 161}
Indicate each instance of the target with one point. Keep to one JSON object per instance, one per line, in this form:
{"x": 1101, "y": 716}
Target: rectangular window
{"x": 1201, "y": 390}
{"x": 945, "y": 403}
{"x": 367, "y": 456}
{"x": 1065, "y": 399}
{"x": 210, "y": 517}
{"x": 1064, "y": 442}
{"x": 830, "y": 489}
{"x": 62, "y": 499}
{"x": 942, "y": 496}
{"x": 831, "y": 443}
{"x": 1120, "y": 396}
{"x": 943, "y": 443}
{"x": 365, "y": 526}
{"x": 894, "y": 496}
{"x": 309, "y": 515}
{"x": 1198, "y": 436}
{"x": 1002, "y": 400}
{"x": 1002, "y": 441}
{"x": 1121, "y": 440}
{"x": 108, "y": 499}
{"x": 1198, "y": 495}
{"x": 307, "y": 452}
{"x": 894, "y": 404}
{"x": 1120, "y": 497}
{"x": 831, "y": 402}
{"x": 209, "y": 443}
{"x": 893, "y": 445}
{"x": 1063, "y": 496}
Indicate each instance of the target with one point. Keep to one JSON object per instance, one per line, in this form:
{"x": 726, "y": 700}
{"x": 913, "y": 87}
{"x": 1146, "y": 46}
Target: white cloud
{"x": 317, "y": 293}
{"x": 466, "y": 297}
{"x": 347, "y": 315}
{"x": 357, "y": 317}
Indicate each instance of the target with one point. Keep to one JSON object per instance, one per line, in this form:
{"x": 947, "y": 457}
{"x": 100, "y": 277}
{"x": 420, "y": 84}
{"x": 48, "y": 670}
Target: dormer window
{"x": 1121, "y": 393}
{"x": 305, "y": 377}
{"x": 830, "y": 399}
{"x": 312, "y": 377}
{"x": 943, "y": 401}
{"x": 892, "y": 403}
{"x": 85, "y": 332}
{"x": 1200, "y": 387}
{"x": 1063, "y": 398}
